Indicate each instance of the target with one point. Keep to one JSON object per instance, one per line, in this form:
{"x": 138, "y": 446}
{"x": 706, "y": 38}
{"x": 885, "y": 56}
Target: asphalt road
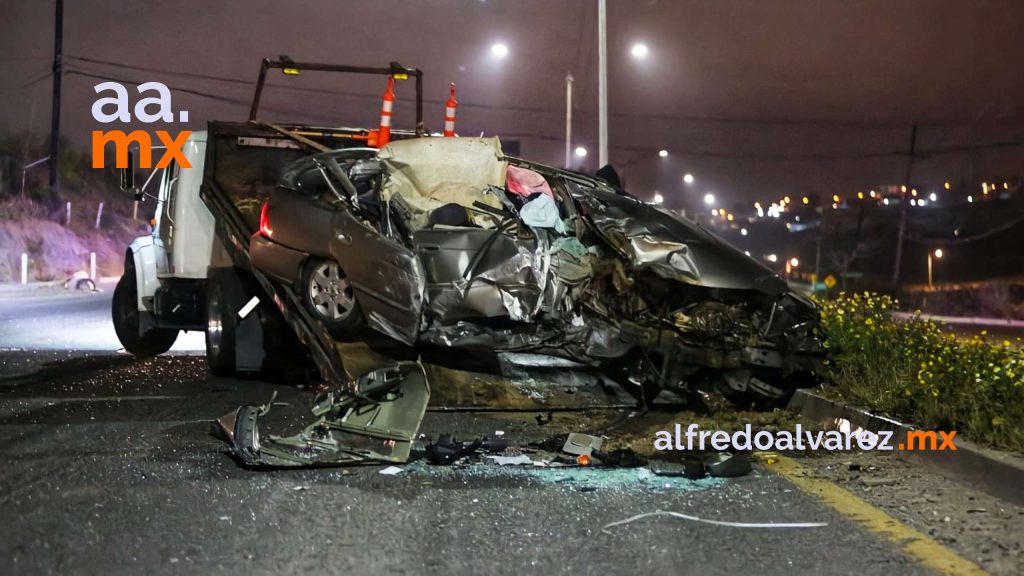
{"x": 112, "y": 465}
{"x": 58, "y": 319}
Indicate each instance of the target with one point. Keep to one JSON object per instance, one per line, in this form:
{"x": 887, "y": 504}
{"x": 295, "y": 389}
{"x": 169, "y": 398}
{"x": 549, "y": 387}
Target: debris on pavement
{"x": 582, "y": 444}
{"x": 726, "y": 465}
{"x": 391, "y": 471}
{"x": 682, "y": 516}
{"x": 520, "y": 460}
{"x": 374, "y": 418}
{"x": 447, "y": 450}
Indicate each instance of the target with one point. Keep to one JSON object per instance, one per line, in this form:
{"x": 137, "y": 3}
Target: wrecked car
{"x": 447, "y": 243}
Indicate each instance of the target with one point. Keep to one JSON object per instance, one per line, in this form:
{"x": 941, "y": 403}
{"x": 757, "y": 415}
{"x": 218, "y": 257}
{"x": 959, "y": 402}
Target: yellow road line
{"x": 920, "y": 548}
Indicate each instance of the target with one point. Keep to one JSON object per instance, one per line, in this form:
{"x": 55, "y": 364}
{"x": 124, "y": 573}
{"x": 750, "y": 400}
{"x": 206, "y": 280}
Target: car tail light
{"x": 265, "y": 228}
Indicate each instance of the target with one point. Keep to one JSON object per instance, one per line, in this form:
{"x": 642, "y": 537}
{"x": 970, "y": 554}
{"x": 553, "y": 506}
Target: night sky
{"x": 758, "y": 99}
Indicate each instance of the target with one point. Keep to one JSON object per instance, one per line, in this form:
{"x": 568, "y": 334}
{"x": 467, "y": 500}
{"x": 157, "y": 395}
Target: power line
{"x": 731, "y": 120}
{"x": 763, "y": 157}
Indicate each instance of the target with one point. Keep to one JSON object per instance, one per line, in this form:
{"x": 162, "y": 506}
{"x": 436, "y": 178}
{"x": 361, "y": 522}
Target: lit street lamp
{"x": 658, "y": 198}
{"x": 499, "y": 50}
{"x": 688, "y": 178}
{"x": 581, "y": 152}
{"x": 938, "y": 255}
{"x": 709, "y": 199}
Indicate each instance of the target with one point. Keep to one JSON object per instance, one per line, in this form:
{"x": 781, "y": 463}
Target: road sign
{"x": 830, "y": 281}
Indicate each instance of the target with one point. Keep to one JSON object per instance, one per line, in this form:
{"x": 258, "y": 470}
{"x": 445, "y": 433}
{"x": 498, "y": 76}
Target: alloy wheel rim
{"x": 330, "y": 292}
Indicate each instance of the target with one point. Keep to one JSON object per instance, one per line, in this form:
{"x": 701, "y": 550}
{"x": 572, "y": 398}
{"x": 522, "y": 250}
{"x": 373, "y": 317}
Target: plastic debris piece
{"x": 391, "y": 471}
{"x": 521, "y": 459}
{"x": 713, "y": 522}
{"x": 578, "y": 444}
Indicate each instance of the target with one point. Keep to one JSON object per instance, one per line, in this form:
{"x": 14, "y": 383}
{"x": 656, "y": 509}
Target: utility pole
{"x": 903, "y": 209}
{"x": 58, "y": 54}
{"x": 568, "y": 120}
{"x": 602, "y": 85}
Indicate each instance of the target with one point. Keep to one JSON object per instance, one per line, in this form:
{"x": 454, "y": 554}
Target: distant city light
{"x": 872, "y": 193}
{"x": 860, "y": 195}
{"x": 794, "y": 262}
{"x": 938, "y": 252}
{"x": 499, "y": 50}
{"x": 946, "y": 185}
{"x": 806, "y": 200}
{"x": 658, "y": 198}
{"x": 913, "y": 202}
{"x": 638, "y": 50}
{"x": 709, "y": 199}
{"x": 885, "y": 201}
{"x": 663, "y": 153}
{"x": 743, "y": 231}
{"x": 933, "y": 197}
{"x": 913, "y": 192}
{"x": 835, "y": 197}
{"x": 903, "y": 189}
{"x": 785, "y": 200}
{"x": 1006, "y": 185}
{"x": 773, "y": 258}
{"x": 688, "y": 178}
{"x": 970, "y": 199}
{"x": 581, "y": 151}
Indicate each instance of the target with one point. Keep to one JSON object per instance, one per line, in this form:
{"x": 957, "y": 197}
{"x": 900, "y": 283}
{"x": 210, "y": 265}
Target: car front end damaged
{"x": 449, "y": 245}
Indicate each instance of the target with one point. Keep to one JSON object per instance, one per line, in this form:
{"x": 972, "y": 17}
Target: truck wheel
{"x": 329, "y": 296}
{"x": 126, "y": 316}
{"x": 224, "y": 297}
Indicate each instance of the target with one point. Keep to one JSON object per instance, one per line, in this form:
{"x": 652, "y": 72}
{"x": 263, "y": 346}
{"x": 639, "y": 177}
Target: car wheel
{"x": 126, "y": 317}
{"x": 329, "y": 296}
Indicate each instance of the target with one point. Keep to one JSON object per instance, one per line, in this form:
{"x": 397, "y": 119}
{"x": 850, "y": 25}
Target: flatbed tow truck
{"x": 194, "y": 272}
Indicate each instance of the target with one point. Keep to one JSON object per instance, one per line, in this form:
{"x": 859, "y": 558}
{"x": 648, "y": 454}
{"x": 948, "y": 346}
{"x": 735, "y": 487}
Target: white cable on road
{"x": 714, "y": 522}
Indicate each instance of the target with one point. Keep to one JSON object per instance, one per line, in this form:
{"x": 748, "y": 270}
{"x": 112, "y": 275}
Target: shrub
{"x": 914, "y": 370}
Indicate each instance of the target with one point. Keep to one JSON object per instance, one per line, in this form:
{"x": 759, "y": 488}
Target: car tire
{"x": 126, "y": 316}
{"x": 225, "y": 295}
{"x": 330, "y": 298}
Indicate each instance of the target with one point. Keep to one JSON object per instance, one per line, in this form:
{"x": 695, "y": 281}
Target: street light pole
{"x": 568, "y": 120}
{"x": 930, "y": 285}
{"x": 602, "y": 85}
{"x": 58, "y": 56}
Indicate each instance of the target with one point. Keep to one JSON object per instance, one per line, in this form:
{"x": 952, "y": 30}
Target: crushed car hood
{"x": 673, "y": 247}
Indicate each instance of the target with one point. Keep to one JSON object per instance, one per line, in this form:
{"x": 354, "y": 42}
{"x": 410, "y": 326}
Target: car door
{"x": 386, "y": 276}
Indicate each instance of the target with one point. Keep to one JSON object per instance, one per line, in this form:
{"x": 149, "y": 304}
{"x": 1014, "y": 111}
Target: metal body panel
{"x": 301, "y": 221}
{"x": 675, "y": 248}
{"x": 387, "y": 276}
{"x": 275, "y": 259}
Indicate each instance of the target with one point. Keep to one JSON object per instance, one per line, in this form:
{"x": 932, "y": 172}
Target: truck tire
{"x": 126, "y": 316}
{"x": 225, "y": 294}
{"x": 329, "y": 297}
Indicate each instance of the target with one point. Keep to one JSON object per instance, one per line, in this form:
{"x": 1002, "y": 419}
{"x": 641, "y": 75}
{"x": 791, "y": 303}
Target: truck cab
{"x": 161, "y": 291}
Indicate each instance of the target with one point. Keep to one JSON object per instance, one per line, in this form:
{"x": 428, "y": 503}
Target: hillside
{"x": 33, "y": 221}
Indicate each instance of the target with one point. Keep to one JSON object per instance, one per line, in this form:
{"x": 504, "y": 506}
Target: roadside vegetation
{"x": 917, "y": 372}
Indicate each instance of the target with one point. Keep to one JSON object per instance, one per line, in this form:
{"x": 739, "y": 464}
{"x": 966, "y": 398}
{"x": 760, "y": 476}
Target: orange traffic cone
{"x": 449, "y": 114}
{"x": 387, "y": 104}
